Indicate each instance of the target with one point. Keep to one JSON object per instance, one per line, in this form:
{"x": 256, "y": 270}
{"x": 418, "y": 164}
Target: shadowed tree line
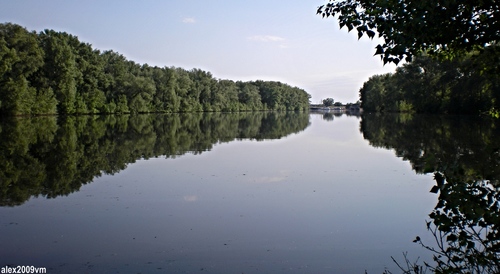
{"x": 54, "y": 73}
{"x": 463, "y": 152}
{"x": 465, "y": 85}
{"x": 44, "y": 156}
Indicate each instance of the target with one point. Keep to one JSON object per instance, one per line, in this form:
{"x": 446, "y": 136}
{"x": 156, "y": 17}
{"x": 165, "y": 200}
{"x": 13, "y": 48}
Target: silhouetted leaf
{"x": 380, "y": 49}
{"x": 451, "y": 238}
{"x": 434, "y": 189}
{"x": 473, "y": 26}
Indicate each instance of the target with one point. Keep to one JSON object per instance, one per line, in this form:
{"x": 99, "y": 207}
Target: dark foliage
{"x": 446, "y": 28}
{"x": 466, "y": 85}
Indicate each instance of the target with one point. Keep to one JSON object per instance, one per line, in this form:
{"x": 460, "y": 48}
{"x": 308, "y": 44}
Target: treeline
{"x": 466, "y": 85}
{"x": 49, "y": 156}
{"x": 54, "y": 73}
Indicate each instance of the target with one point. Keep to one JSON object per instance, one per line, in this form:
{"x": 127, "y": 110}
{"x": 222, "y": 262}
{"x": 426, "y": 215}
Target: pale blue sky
{"x": 282, "y": 40}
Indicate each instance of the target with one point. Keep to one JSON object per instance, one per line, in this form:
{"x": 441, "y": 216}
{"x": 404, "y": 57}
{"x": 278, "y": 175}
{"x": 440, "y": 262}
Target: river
{"x": 228, "y": 193}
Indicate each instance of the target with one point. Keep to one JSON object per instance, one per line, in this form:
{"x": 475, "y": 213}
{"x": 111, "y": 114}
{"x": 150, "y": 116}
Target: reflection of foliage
{"x": 327, "y": 116}
{"x": 463, "y": 153}
{"x": 465, "y": 226}
{"x": 50, "y": 157}
{"x": 19, "y": 169}
{"x": 461, "y": 146}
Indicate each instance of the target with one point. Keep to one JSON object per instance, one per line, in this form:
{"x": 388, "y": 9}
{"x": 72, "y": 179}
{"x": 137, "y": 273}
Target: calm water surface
{"x": 316, "y": 197}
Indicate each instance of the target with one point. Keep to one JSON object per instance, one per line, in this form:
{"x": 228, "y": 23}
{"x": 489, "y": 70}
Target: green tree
{"x": 90, "y": 95}
{"x": 140, "y": 94}
{"x": 202, "y": 89}
{"x": 270, "y": 93}
{"x": 248, "y": 96}
{"x": 225, "y": 96}
{"x": 410, "y": 27}
{"x": 295, "y": 98}
{"x": 60, "y": 69}
{"x": 20, "y": 57}
{"x": 188, "y": 95}
{"x": 372, "y": 93}
{"x": 328, "y": 102}
{"x": 166, "y": 98}
{"x": 117, "y": 77}
{"x": 427, "y": 85}
{"x": 53, "y": 72}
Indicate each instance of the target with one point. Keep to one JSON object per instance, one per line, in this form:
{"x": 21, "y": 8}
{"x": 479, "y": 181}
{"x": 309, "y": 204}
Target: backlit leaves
{"x": 410, "y": 27}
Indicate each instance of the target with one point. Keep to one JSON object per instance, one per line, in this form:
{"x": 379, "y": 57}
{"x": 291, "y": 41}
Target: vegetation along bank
{"x": 54, "y": 73}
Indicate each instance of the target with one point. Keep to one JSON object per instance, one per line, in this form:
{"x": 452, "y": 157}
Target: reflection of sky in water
{"x": 320, "y": 201}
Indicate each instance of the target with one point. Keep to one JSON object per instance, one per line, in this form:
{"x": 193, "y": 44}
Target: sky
{"x": 272, "y": 40}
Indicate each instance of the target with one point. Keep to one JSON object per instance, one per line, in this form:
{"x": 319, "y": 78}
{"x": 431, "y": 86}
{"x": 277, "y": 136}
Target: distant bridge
{"x": 327, "y": 109}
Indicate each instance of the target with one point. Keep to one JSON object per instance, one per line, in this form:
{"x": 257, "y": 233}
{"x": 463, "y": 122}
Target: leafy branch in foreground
{"x": 465, "y": 226}
{"x": 409, "y": 27}
{"x": 410, "y": 267}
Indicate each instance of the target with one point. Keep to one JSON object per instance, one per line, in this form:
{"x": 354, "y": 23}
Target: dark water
{"x": 232, "y": 193}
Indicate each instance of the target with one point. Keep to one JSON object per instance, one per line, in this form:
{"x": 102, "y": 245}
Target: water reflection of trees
{"x": 330, "y": 116}
{"x": 464, "y": 155}
{"x": 51, "y": 156}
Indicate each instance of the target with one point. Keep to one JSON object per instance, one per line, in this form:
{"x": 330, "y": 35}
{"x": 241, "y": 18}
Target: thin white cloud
{"x": 266, "y": 38}
{"x": 190, "y": 198}
{"x": 189, "y": 20}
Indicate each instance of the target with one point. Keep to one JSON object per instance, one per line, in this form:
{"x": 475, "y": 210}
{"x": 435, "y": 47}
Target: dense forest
{"x": 50, "y": 156}
{"x": 54, "y": 73}
{"x": 466, "y": 85}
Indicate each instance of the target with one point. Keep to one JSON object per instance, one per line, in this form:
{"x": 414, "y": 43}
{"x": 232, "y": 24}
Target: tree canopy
{"x": 407, "y": 27}
{"x": 55, "y": 73}
{"x": 328, "y": 102}
{"x": 427, "y": 85}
